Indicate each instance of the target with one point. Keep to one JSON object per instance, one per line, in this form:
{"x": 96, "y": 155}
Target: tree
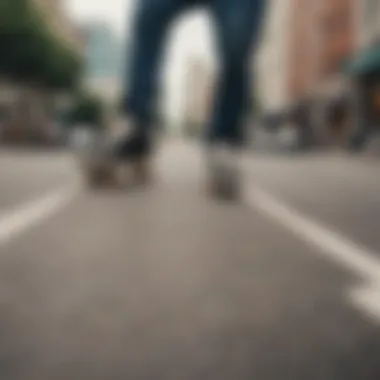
{"x": 63, "y": 68}
{"x": 87, "y": 109}
{"x": 29, "y": 51}
{"x": 14, "y": 25}
{"x": 22, "y": 40}
{"x": 33, "y": 57}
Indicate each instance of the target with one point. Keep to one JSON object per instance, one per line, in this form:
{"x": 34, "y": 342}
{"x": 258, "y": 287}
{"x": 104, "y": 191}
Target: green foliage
{"x": 29, "y": 51}
{"x": 87, "y": 109}
{"x": 62, "y": 68}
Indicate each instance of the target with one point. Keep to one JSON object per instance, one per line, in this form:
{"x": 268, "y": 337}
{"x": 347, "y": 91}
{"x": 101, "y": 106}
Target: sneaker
{"x": 122, "y": 157}
{"x": 224, "y": 177}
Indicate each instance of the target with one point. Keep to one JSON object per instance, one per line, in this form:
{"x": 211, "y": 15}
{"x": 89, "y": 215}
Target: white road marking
{"x": 367, "y": 298}
{"x": 358, "y": 259}
{"x": 34, "y": 212}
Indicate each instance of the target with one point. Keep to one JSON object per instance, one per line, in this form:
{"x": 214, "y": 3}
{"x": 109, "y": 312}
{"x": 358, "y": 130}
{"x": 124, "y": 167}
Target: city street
{"x": 168, "y": 284}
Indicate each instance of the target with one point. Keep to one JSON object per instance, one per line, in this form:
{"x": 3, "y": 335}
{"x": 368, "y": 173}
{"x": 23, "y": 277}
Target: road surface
{"x": 168, "y": 284}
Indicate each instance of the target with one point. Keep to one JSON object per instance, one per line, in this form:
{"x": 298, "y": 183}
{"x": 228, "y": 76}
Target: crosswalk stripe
{"x": 357, "y": 258}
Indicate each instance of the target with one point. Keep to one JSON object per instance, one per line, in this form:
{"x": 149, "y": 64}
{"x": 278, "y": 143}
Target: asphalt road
{"x": 167, "y": 284}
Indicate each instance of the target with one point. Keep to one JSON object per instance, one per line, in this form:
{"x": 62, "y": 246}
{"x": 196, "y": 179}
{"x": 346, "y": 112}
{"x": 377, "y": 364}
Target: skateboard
{"x": 99, "y": 170}
{"x": 115, "y": 173}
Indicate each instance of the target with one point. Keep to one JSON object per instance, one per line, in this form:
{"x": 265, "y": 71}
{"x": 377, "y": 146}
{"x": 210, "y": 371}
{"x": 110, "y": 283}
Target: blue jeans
{"x": 236, "y": 24}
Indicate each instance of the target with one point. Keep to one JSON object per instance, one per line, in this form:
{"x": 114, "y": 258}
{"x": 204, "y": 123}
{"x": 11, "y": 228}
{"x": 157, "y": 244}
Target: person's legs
{"x": 152, "y": 21}
{"x": 151, "y": 24}
{"x": 237, "y": 26}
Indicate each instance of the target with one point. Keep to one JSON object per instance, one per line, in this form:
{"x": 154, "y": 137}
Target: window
{"x": 370, "y": 20}
{"x": 371, "y": 12}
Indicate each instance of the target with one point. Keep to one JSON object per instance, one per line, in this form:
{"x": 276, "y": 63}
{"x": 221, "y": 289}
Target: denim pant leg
{"x": 237, "y": 25}
{"x": 152, "y": 21}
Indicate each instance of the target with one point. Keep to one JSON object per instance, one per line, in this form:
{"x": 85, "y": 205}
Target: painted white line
{"x": 34, "y": 212}
{"x": 358, "y": 259}
{"x": 367, "y": 299}
{"x": 355, "y": 257}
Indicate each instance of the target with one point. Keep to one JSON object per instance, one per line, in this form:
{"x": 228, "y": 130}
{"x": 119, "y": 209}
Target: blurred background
{"x": 317, "y": 72}
{"x": 314, "y": 83}
{"x": 166, "y": 283}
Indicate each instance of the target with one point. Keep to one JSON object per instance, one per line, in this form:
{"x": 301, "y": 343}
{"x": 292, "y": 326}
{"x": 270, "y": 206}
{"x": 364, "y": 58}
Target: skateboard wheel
{"x": 141, "y": 172}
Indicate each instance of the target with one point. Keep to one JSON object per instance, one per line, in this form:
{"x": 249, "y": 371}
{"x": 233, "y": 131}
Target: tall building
{"x": 364, "y": 71}
{"x": 302, "y": 45}
{"x": 337, "y": 30}
{"x": 299, "y": 69}
{"x": 338, "y": 33}
{"x": 104, "y": 58}
{"x": 198, "y": 97}
{"x": 322, "y": 37}
{"x": 103, "y": 51}
{"x": 272, "y": 59}
{"x": 60, "y": 22}
{"x": 368, "y": 21}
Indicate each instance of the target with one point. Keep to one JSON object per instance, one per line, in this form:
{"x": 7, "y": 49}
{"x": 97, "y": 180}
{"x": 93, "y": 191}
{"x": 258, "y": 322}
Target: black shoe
{"x": 134, "y": 147}
{"x": 125, "y": 161}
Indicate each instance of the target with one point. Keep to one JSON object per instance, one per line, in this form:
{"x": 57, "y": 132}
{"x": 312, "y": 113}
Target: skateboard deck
{"x": 100, "y": 170}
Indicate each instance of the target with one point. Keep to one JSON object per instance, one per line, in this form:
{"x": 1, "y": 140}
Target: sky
{"x": 191, "y": 37}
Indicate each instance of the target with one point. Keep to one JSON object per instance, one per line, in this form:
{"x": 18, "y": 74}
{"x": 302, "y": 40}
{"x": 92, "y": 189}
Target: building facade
{"x": 368, "y": 22}
{"x": 61, "y": 24}
{"x": 333, "y": 109}
{"x": 198, "y": 97}
{"x": 302, "y": 49}
{"x": 322, "y": 37}
{"x": 364, "y": 71}
{"x": 272, "y": 60}
{"x": 104, "y": 61}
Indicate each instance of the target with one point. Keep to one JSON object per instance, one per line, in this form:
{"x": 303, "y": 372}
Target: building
{"x": 198, "y": 97}
{"x": 271, "y": 65}
{"x": 104, "y": 58}
{"x": 332, "y": 90}
{"x": 322, "y": 37}
{"x": 61, "y": 24}
{"x": 368, "y": 22}
{"x": 364, "y": 70}
{"x": 302, "y": 49}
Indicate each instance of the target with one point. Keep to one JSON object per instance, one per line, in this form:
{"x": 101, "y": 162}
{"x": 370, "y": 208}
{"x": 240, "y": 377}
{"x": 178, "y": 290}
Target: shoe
{"x": 224, "y": 177}
{"x": 121, "y": 159}
{"x": 134, "y": 147}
